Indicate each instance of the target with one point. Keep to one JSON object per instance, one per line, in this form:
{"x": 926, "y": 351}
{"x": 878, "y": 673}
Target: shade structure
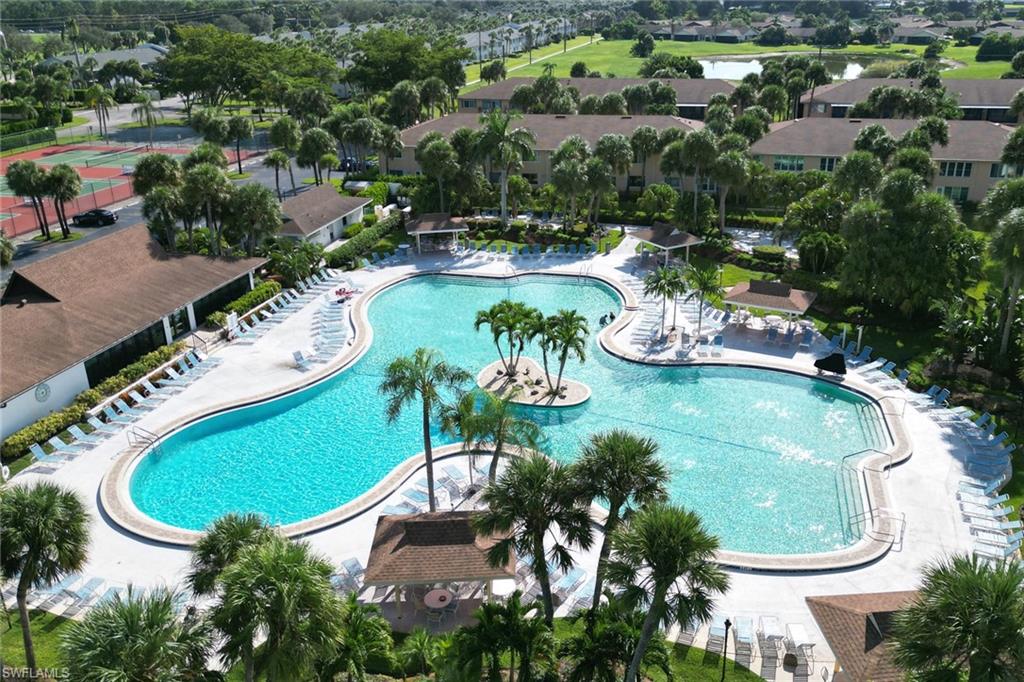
{"x": 667, "y": 238}
{"x": 429, "y": 224}
{"x": 834, "y": 363}
{"x": 433, "y": 547}
{"x": 775, "y": 296}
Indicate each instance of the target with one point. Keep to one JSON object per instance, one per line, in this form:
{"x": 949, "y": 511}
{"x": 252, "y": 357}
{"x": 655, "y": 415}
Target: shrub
{"x": 353, "y": 229}
{"x": 369, "y": 219}
{"x": 820, "y": 251}
{"x": 218, "y": 318}
{"x": 359, "y": 246}
{"x": 264, "y": 291}
{"x": 56, "y": 422}
{"x": 377, "y": 193}
{"x": 770, "y": 254}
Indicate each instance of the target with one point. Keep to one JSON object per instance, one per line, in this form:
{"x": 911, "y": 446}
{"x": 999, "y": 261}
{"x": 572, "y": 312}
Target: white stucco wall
{"x": 23, "y": 409}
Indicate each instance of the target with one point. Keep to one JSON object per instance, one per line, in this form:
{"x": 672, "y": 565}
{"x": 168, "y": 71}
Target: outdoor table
{"x": 773, "y": 320}
{"x": 403, "y": 249}
{"x": 438, "y": 599}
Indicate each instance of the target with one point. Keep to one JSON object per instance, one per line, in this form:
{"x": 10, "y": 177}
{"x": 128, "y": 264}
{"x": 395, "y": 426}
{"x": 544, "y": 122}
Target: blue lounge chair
{"x": 40, "y": 455}
{"x": 833, "y": 344}
{"x": 112, "y": 416}
{"x": 773, "y": 334}
{"x": 143, "y": 401}
{"x": 850, "y": 348}
{"x": 455, "y": 472}
{"x": 790, "y": 335}
{"x": 126, "y": 409}
{"x": 354, "y": 567}
{"x": 561, "y": 250}
{"x": 84, "y": 438}
{"x": 941, "y": 398}
{"x": 415, "y": 495}
{"x": 861, "y": 357}
{"x": 573, "y": 249}
{"x": 400, "y": 508}
{"x": 66, "y": 449}
{"x": 82, "y": 597}
{"x": 552, "y": 250}
{"x": 100, "y": 427}
{"x": 903, "y": 376}
{"x": 806, "y": 338}
{"x": 154, "y": 390}
{"x": 53, "y": 594}
{"x": 536, "y": 250}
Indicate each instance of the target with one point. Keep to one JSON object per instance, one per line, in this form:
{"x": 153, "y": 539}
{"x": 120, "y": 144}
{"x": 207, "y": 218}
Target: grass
{"x": 521, "y": 61}
{"x": 972, "y": 68}
{"x": 235, "y": 175}
{"x": 169, "y": 121}
{"x": 73, "y": 237}
{"x": 75, "y": 121}
{"x": 46, "y": 632}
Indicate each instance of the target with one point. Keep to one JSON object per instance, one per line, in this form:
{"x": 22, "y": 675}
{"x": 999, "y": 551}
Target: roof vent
{"x": 559, "y": 115}
{"x": 22, "y": 303}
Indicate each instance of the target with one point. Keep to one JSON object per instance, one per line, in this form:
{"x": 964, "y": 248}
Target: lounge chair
{"x": 301, "y": 363}
{"x": 716, "y": 634}
{"x": 975, "y": 488}
{"x": 82, "y": 597}
{"x": 984, "y": 502}
{"x": 862, "y": 357}
{"x": 174, "y": 379}
{"x": 49, "y": 596}
{"x": 988, "y": 441}
{"x": 354, "y": 567}
{"x": 536, "y": 250}
{"x": 995, "y": 553}
{"x": 67, "y": 449}
{"x": 40, "y": 455}
{"x": 143, "y": 401}
{"x": 887, "y": 367}
{"x": 773, "y": 335}
{"x": 454, "y": 472}
{"x": 112, "y": 416}
{"x": 995, "y": 526}
{"x": 416, "y": 496}
{"x": 84, "y": 438}
{"x": 850, "y": 348}
{"x": 126, "y": 408}
{"x": 982, "y": 512}
{"x": 100, "y": 427}
{"x": 209, "y": 361}
{"x": 400, "y": 508}
{"x": 167, "y": 391}
{"x": 806, "y": 338}
{"x": 833, "y": 344}
{"x": 717, "y": 346}
{"x": 743, "y": 634}
{"x": 787, "y": 340}
{"x": 998, "y": 539}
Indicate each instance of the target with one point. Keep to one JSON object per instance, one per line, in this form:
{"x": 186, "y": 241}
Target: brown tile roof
{"x": 308, "y": 212}
{"x": 992, "y": 92}
{"x": 84, "y": 300}
{"x": 688, "y": 90}
{"x": 666, "y": 237}
{"x": 821, "y": 136}
{"x": 759, "y": 293}
{"x": 435, "y": 222}
{"x": 856, "y": 627}
{"x": 551, "y": 129}
{"x": 410, "y": 549}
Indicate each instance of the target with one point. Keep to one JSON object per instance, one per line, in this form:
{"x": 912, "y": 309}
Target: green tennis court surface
{"x": 96, "y": 157}
{"x": 88, "y": 186}
{"x": 5, "y": 216}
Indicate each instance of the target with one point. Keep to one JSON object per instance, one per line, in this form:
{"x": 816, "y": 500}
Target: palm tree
{"x": 505, "y": 147}
{"x": 729, "y": 170}
{"x": 26, "y": 179}
{"x": 528, "y": 636}
{"x": 497, "y": 424}
{"x": 285, "y": 134}
{"x": 486, "y": 641}
{"x": 567, "y": 332}
{"x": 220, "y": 546}
{"x": 256, "y": 213}
{"x": 531, "y": 498}
{"x": 422, "y": 375}
{"x": 45, "y": 532}
{"x": 389, "y": 142}
{"x": 663, "y": 282}
{"x": 281, "y": 590}
{"x": 138, "y": 637}
{"x": 1007, "y": 246}
{"x": 277, "y": 160}
{"x": 665, "y": 560}
{"x": 239, "y": 128}
{"x": 64, "y": 184}
{"x": 701, "y": 150}
{"x": 624, "y": 470}
{"x": 364, "y": 635}
{"x": 417, "y": 651}
{"x": 210, "y": 188}
{"x": 602, "y": 650}
{"x": 511, "y": 320}
{"x": 161, "y": 207}
{"x": 645, "y": 143}
{"x": 965, "y": 622}
{"x": 705, "y": 283}
{"x": 146, "y": 114}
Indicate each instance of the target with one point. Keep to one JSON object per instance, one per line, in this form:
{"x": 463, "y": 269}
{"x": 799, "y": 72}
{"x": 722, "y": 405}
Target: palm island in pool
{"x": 760, "y": 454}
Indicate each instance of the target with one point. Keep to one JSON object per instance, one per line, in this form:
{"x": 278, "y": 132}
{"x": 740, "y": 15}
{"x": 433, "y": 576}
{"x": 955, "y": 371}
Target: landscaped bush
{"x": 770, "y": 254}
{"x": 754, "y": 222}
{"x": 353, "y": 229}
{"x": 369, "y": 219}
{"x": 821, "y": 251}
{"x": 377, "y": 193}
{"x": 264, "y": 291}
{"x": 218, "y": 318}
{"x": 348, "y": 254}
{"x": 56, "y": 422}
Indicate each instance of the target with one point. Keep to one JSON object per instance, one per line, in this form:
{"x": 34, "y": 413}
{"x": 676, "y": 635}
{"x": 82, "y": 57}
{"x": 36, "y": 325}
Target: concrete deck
{"x": 921, "y": 489}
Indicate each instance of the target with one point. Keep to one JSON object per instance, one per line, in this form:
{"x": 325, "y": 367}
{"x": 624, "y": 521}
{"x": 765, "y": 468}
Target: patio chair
{"x": 154, "y": 390}
{"x": 983, "y": 504}
{"x": 48, "y": 596}
{"x": 300, "y": 360}
{"x": 995, "y": 553}
{"x": 112, "y": 416}
{"x": 995, "y": 526}
{"x": 574, "y": 250}
{"x": 717, "y": 346}
{"x": 862, "y": 357}
{"x": 125, "y": 408}
{"x": 833, "y": 344}
{"x": 743, "y": 634}
{"x": 806, "y": 338}
{"x": 716, "y": 634}
{"x": 40, "y": 455}
{"x": 973, "y": 487}
{"x": 787, "y": 339}
{"x": 773, "y": 335}
{"x": 100, "y": 427}
{"x": 86, "y": 439}
{"x": 67, "y": 449}
{"x": 82, "y": 597}
{"x": 998, "y": 539}
{"x": 434, "y": 617}
{"x": 145, "y": 402}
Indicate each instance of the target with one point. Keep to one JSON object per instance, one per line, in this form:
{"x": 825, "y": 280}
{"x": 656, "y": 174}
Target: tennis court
{"x": 92, "y": 158}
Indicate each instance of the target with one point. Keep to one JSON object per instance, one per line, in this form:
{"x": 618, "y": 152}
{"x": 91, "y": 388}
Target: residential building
{"x": 979, "y": 99}
{"x": 692, "y": 94}
{"x": 320, "y": 215}
{"x": 966, "y": 168}
{"x": 145, "y": 54}
{"x": 73, "y": 319}
{"x": 550, "y": 130}
{"x": 512, "y": 38}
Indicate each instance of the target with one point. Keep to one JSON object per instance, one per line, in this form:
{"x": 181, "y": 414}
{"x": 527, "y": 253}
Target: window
{"x": 957, "y": 195}
{"x": 218, "y": 299}
{"x": 672, "y": 182}
{"x": 112, "y": 360}
{"x": 469, "y": 104}
{"x": 839, "y": 112}
{"x": 955, "y": 169}
{"x": 531, "y": 178}
{"x": 819, "y": 108}
{"x": 828, "y": 163}
{"x": 395, "y": 155}
{"x": 708, "y": 185}
{"x": 1002, "y": 170}
{"x": 635, "y": 181}
{"x": 789, "y": 163}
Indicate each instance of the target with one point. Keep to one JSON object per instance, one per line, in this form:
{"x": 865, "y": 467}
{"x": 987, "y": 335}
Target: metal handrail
{"x": 843, "y": 464}
{"x": 884, "y": 513}
{"x": 138, "y": 435}
{"x": 196, "y": 343}
{"x": 903, "y": 403}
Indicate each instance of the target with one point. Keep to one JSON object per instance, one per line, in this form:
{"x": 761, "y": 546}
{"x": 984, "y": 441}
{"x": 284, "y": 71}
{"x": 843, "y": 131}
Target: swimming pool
{"x": 756, "y": 452}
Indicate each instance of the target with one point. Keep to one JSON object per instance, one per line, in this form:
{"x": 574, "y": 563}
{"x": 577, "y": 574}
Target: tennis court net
{"x": 115, "y": 157}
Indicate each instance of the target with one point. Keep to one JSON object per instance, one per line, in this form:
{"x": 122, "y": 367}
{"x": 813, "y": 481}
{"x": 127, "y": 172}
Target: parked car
{"x": 97, "y": 217}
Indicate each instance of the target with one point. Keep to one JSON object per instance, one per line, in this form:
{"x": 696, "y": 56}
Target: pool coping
{"x": 116, "y": 503}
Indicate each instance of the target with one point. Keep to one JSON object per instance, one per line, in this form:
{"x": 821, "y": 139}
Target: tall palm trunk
{"x": 664, "y": 313}
{"x": 440, "y": 193}
{"x": 249, "y": 663}
{"x": 1011, "y": 314}
{"x": 238, "y": 154}
{"x": 428, "y": 454}
{"x": 610, "y": 524}
{"x": 504, "y": 364}
{"x": 696, "y": 192}
{"x": 504, "y": 196}
{"x": 26, "y": 625}
{"x": 650, "y": 623}
{"x": 700, "y": 314}
{"x": 723, "y": 191}
{"x": 562, "y": 357}
{"x": 277, "y": 182}
{"x": 291, "y": 174}
{"x": 544, "y": 358}
{"x": 540, "y": 570}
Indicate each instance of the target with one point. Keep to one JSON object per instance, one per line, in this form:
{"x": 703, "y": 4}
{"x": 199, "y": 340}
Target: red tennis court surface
{"x": 106, "y": 180}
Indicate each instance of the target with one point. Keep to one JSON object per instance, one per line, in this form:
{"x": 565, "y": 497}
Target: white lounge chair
{"x": 992, "y": 552}
{"x": 984, "y": 502}
{"x": 146, "y": 402}
{"x": 100, "y": 427}
{"x": 40, "y": 455}
{"x": 84, "y": 438}
{"x": 301, "y": 362}
{"x": 64, "y": 448}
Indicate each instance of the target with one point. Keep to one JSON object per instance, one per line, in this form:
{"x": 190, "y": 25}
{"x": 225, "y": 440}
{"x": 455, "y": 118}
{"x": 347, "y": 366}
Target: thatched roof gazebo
{"x": 667, "y": 238}
{"x": 430, "y": 224}
{"x": 429, "y": 550}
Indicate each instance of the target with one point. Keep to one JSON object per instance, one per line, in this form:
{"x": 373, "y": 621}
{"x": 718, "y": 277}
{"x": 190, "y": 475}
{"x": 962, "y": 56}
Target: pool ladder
{"x": 851, "y": 489}
{"x": 141, "y": 438}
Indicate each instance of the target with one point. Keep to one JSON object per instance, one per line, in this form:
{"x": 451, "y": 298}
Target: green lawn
{"x": 168, "y": 121}
{"x": 972, "y": 68}
{"x": 55, "y": 237}
{"x": 46, "y": 631}
{"x": 519, "y": 62}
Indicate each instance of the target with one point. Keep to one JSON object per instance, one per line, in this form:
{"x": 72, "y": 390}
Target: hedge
{"x": 377, "y": 193}
{"x": 360, "y": 245}
{"x": 56, "y": 422}
{"x": 770, "y": 254}
{"x": 264, "y": 291}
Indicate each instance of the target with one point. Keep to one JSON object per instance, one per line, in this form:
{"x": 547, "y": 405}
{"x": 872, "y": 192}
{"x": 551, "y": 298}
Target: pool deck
{"x": 922, "y": 487}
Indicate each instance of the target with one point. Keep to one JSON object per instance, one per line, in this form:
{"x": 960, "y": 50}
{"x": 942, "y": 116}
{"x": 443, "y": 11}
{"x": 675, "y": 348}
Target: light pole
{"x": 725, "y": 646}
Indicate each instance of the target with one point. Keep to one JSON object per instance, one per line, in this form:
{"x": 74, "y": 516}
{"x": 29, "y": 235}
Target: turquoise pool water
{"x": 756, "y": 452}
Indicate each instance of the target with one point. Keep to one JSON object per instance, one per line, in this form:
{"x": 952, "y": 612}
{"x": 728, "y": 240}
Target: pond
{"x": 735, "y": 68}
